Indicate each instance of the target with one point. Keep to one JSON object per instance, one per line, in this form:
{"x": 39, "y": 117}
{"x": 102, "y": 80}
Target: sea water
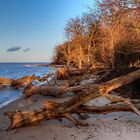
{"x": 18, "y": 70}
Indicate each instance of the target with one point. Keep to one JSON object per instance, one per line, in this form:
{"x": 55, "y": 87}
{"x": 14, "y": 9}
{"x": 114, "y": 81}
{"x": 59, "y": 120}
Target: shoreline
{"x": 8, "y": 102}
{"x": 20, "y": 96}
{"x": 12, "y": 95}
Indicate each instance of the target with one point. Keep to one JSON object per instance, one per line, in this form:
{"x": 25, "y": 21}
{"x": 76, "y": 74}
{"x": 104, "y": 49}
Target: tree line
{"x": 105, "y": 37}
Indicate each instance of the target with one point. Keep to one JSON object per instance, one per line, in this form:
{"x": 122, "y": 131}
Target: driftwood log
{"x": 20, "y": 82}
{"x": 106, "y": 87}
{"x": 107, "y": 108}
{"x": 47, "y": 90}
{"x": 46, "y": 78}
{"x": 53, "y": 110}
{"x": 6, "y": 81}
{"x": 22, "y": 119}
{"x": 24, "y": 81}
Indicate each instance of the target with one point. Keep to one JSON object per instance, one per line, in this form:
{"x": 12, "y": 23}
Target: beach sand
{"x": 116, "y": 126}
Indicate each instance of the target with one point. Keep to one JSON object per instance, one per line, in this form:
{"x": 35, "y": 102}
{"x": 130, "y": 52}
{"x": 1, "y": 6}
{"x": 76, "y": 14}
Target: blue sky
{"x": 29, "y": 29}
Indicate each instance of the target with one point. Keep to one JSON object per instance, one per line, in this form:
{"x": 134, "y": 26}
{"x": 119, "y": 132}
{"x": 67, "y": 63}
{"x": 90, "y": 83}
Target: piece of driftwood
{"x": 107, "y": 108}
{"x": 20, "y": 82}
{"x": 25, "y": 81}
{"x": 6, "y": 81}
{"x": 22, "y": 119}
{"x": 26, "y": 118}
{"x": 46, "y": 78}
{"x": 53, "y": 110}
{"x": 104, "y": 88}
{"x": 47, "y": 90}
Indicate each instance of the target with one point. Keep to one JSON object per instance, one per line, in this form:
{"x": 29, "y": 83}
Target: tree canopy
{"x": 106, "y": 37}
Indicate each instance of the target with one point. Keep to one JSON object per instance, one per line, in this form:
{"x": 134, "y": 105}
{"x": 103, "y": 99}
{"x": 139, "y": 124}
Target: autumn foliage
{"x": 108, "y": 37}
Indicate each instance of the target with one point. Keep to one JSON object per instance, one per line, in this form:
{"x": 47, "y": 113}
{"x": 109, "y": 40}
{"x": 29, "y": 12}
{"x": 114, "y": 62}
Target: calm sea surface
{"x": 17, "y": 70}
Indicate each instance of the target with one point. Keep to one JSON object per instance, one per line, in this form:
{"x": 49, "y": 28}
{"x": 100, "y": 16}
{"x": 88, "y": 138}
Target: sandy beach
{"x": 116, "y": 126}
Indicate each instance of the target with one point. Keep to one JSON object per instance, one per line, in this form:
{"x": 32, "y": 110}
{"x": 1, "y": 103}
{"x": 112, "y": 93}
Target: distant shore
{"x": 49, "y": 65}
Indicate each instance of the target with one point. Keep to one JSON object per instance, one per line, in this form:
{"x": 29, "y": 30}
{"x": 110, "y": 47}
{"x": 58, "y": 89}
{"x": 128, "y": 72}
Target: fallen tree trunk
{"x": 26, "y": 118}
{"x": 44, "y": 90}
{"x": 6, "y": 81}
{"x": 46, "y": 78}
{"x": 120, "y": 81}
{"x": 105, "y": 87}
{"x": 24, "y": 81}
{"x": 107, "y": 108}
{"x": 22, "y": 119}
{"x": 20, "y": 82}
{"x": 65, "y": 109}
{"x": 49, "y": 90}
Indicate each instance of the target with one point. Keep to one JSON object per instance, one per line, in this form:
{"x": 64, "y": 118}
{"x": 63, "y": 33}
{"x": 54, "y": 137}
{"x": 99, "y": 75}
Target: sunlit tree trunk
{"x": 112, "y": 49}
{"x": 80, "y": 57}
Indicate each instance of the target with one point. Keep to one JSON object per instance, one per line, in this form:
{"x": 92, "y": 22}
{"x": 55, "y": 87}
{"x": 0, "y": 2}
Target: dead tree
{"x": 6, "y": 81}
{"x": 53, "y": 110}
{"x": 47, "y": 90}
{"x": 20, "y": 82}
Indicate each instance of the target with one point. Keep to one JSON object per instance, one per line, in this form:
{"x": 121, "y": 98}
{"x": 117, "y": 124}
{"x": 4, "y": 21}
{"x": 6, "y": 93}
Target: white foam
{"x": 9, "y": 101}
